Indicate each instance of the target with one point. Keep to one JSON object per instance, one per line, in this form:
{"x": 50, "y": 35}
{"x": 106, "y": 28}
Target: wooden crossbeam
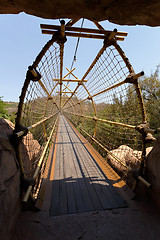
{"x": 73, "y": 34}
{"x": 64, "y": 92}
{"x": 72, "y": 74}
{"x": 68, "y": 80}
{"x": 81, "y": 30}
{"x": 68, "y": 73}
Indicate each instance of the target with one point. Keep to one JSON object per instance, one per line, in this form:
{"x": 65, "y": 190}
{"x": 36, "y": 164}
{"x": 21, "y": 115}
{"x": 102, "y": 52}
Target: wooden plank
{"x": 55, "y": 201}
{"x": 80, "y": 179}
{"x": 44, "y": 197}
{"x": 113, "y": 195}
{"x": 71, "y": 201}
{"x": 84, "y": 35}
{"x": 117, "y": 181}
{"x": 92, "y": 173}
{"x": 96, "y": 179}
{"x": 106, "y": 192}
{"x": 91, "y": 191}
{"x": 87, "y": 30}
{"x": 79, "y": 185}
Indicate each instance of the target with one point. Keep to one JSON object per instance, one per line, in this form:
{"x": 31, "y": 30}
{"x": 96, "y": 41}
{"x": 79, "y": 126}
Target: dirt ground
{"x": 141, "y": 220}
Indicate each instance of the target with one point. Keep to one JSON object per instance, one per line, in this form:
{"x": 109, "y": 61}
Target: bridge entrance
{"x": 105, "y": 104}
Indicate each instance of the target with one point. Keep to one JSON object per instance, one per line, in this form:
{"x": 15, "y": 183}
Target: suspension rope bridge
{"x": 105, "y": 105}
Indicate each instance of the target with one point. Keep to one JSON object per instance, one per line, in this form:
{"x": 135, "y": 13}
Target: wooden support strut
{"x": 45, "y": 90}
{"x": 81, "y": 30}
{"x": 61, "y": 59}
{"x": 65, "y": 92}
{"x": 82, "y": 35}
{"x": 68, "y": 80}
{"x": 69, "y": 72}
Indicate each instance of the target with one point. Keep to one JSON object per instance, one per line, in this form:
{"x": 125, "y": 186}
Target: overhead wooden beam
{"x": 72, "y": 34}
{"x": 81, "y": 30}
{"x": 68, "y": 80}
{"x": 65, "y": 92}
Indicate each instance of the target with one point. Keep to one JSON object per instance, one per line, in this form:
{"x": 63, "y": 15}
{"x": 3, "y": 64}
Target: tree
{"x": 151, "y": 94}
{"x": 3, "y": 111}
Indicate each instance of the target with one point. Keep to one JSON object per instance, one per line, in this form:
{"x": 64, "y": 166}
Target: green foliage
{"x": 8, "y": 110}
{"x": 151, "y": 94}
{"x": 125, "y": 109}
{"x": 3, "y": 111}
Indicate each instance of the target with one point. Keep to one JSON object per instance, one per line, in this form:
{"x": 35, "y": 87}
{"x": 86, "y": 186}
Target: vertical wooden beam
{"x": 61, "y": 59}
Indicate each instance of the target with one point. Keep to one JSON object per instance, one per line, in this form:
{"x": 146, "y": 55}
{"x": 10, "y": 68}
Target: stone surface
{"x": 129, "y": 157}
{"x": 30, "y": 151}
{"x": 9, "y": 182}
{"x": 129, "y": 12}
{"x": 10, "y": 202}
{"x": 153, "y": 171}
{"x": 126, "y": 155}
{"x": 140, "y": 221}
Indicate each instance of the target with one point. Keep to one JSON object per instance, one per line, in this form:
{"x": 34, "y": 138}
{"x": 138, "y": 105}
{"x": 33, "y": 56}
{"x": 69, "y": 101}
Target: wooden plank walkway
{"x": 79, "y": 184}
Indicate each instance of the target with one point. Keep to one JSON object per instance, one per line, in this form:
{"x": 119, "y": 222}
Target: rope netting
{"x": 38, "y": 111}
{"x": 112, "y": 108}
{"x": 119, "y": 104}
{"x": 106, "y": 105}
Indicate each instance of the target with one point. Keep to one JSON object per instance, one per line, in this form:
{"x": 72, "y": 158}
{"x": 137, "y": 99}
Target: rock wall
{"x": 153, "y": 171}
{"x": 129, "y": 157}
{"x": 10, "y": 201}
{"x": 9, "y": 182}
{"x": 127, "y": 12}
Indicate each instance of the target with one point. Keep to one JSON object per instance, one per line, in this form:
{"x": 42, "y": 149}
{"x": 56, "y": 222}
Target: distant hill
{"x": 11, "y": 107}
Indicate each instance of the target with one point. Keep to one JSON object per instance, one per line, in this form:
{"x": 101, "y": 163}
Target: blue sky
{"x": 21, "y": 41}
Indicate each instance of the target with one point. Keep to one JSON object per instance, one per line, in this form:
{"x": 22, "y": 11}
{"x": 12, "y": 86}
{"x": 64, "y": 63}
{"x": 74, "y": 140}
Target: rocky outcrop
{"x": 128, "y": 12}
{"x": 30, "y": 151}
{"x": 129, "y": 157}
{"x": 10, "y": 202}
{"x": 153, "y": 171}
{"x": 9, "y": 182}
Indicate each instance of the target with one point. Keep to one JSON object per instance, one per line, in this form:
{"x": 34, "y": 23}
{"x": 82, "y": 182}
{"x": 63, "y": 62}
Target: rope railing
{"x": 28, "y": 192}
{"x": 20, "y": 133}
{"x": 140, "y": 178}
{"x": 146, "y": 130}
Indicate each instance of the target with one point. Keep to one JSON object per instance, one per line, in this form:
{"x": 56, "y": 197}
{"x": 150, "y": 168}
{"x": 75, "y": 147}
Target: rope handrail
{"x": 140, "y": 178}
{"x": 20, "y": 133}
{"x": 28, "y": 192}
{"x": 146, "y": 130}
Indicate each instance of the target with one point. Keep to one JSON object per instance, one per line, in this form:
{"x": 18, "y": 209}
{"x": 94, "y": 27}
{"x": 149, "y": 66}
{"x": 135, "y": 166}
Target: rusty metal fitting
{"x": 59, "y": 36}
{"x": 33, "y": 74}
{"x": 80, "y": 83}
{"x": 14, "y": 138}
{"x": 146, "y": 131}
{"x": 132, "y": 78}
{"x": 110, "y": 39}
{"x": 89, "y": 97}
{"x": 95, "y": 118}
{"x": 50, "y": 98}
